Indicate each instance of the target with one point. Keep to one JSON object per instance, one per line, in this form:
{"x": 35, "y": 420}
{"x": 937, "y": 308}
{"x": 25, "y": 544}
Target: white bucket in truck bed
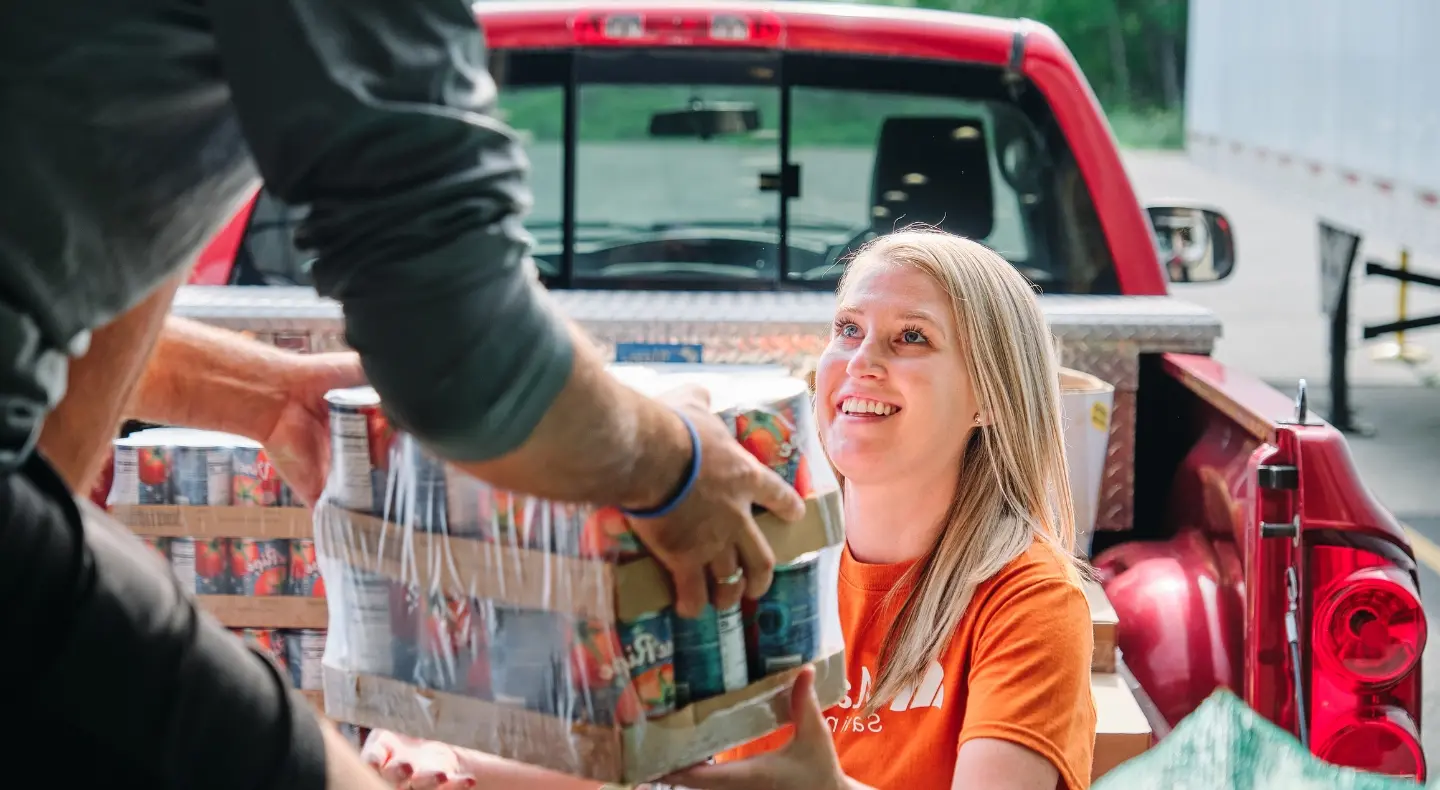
{"x": 1085, "y": 404}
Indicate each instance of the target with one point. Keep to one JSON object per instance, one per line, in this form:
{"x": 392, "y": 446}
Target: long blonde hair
{"x": 1014, "y": 485}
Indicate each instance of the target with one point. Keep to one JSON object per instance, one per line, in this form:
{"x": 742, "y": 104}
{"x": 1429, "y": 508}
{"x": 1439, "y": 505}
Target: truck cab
{"x": 701, "y": 172}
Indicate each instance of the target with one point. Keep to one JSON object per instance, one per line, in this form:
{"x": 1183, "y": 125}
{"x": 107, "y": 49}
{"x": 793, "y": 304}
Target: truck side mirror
{"x": 1196, "y": 244}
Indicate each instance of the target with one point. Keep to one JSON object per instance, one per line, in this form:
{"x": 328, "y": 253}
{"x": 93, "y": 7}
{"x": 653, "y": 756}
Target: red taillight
{"x": 1380, "y": 740}
{"x": 1370, "y": 628}
{"x": 690, "y": 27}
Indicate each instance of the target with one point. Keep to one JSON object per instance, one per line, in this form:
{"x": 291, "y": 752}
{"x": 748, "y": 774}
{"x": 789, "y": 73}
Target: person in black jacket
{"x": 130, "y": 132}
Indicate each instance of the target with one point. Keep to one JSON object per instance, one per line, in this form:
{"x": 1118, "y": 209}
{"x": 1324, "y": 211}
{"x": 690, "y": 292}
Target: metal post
{"x": 1340, "y": 415}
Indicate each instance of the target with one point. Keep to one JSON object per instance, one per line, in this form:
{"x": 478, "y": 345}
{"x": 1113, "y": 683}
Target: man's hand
{"x": 299, "y": 441}
{"x": 713, "y": 528}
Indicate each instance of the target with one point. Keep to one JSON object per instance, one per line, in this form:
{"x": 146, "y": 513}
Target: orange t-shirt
{"x": 1017, "y": 669}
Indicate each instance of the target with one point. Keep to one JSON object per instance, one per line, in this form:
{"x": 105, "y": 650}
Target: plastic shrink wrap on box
{"x": 540, "y": 630}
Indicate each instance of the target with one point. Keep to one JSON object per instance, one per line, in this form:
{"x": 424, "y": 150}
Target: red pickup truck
{"x": 700, "y": 168}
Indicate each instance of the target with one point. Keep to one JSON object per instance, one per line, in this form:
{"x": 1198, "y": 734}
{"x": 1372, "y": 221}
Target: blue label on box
{"x": 668, "y": 353}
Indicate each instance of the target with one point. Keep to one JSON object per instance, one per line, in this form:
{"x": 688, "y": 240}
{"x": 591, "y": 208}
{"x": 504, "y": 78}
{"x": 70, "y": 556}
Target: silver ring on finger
{"x": 733, "y": 578}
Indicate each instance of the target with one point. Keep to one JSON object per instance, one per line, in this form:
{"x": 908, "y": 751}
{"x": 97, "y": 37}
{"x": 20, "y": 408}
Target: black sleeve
{"x": 99, "y": 637}
{"x": 376, "y": 115}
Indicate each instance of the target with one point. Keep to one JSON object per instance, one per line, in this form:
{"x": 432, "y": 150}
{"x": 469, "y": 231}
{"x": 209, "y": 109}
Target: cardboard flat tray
{"x": 604, "y": 754}
{"x": 217, "y": 521}
{"x": 279, "y": 611}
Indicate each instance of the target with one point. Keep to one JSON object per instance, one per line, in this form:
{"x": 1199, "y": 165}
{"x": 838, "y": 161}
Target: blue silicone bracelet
{"x": 690, "y": 477}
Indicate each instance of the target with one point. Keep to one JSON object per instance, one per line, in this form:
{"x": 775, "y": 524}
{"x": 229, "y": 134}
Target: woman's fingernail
{"x": 407, "y": 769}
{"x": 469, "y": 782}
{"x": 441, "y": 779}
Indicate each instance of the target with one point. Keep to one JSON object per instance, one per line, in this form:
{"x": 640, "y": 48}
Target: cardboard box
{"x": 1103, "y": 622}
{"x": 1121, "y": 730}
{"x": 476, "y": 569}
{"x": 1085, "y": 403}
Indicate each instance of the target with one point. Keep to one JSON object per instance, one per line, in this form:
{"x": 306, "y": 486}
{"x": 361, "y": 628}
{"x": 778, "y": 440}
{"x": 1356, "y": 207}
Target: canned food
{"x": 161, "y": 547}
{"x": 452, "y": 650}
{"x": 365, "y": 632}
{"x": 607, "y": 535}
{"x": 256, "y": 483}
{"x": 202, "y": 566}
{"x": 406, "y": 613}
{"x": 304, "y": 579}
{"x": 528, "y": 650}
{"x": 773, "y": 432}
{"x": 709, "y": 655}
{"x": 783, "y": 627}
{"x": 260, "y": 566}
{"x": 416, "y": 482}
{"x": 268, "y": 641}
{"x": 360, "y": 438}
{"x": 599, "y": 676}
{"x": 142, "y": 473}
{"x": 304, "y": 652}
{"x": 201, "y": 471}
{"x": 649, "y": 644}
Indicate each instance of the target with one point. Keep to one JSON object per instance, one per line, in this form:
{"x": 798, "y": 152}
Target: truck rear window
{"x": 686, "y": 169}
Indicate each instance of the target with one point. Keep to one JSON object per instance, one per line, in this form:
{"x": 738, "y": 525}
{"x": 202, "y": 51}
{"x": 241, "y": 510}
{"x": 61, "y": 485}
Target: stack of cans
{"x": 181, "y": 466}
{"x": 243, "y": 566}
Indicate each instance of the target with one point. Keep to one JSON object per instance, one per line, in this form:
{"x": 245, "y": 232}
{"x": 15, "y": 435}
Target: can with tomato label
{"x": 255, "y": 482}
{"x": 366, "y": 632}
{"x": 201, "y": 469}
{"x": 304, "y": 650}
{"x": 649, "y": 645}
{"x": 161, "y": 547}
{"x": 260, "y": 567}
{"x": 304, "y": 579}
{"x": 143, "y": 472}
{"x": 416, "y": 480}
{"x": 607, "y": 535}
{"x": 202, "y": 566}
{"x": 406, "y": 612}
{"x": 528, "y": 652}
{"x": 783, "y": 627}
{"x": 709, "y": 655}
{"x": 360, "y": 439}
{"x": 452, "y": 652}
{"x": 268, "y": 641}
{"x": 774, "y": 431}
{"x": 599, "y": 676}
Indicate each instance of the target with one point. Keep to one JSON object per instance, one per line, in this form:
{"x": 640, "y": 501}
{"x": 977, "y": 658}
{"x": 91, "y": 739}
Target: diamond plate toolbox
{"x": 1101, "y": 335}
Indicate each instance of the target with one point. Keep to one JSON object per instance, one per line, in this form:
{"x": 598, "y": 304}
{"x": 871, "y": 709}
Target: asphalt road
{"x": 1274, "y": 329}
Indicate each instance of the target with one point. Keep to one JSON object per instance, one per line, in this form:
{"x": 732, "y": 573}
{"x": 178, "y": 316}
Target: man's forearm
{"x": 78, "y": 433}
{"x": 599, "y": 441}
{"x": 204, "y": 377}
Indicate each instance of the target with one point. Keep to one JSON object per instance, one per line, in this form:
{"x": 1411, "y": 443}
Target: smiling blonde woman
{"x": 967, "y": 633}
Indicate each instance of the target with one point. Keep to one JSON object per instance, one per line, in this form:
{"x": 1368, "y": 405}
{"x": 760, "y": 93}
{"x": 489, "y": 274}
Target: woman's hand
{"x": 413, "y": 764}
{"x": 807, "y": 762}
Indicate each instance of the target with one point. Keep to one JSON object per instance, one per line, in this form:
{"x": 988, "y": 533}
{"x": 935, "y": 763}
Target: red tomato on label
{"x": 153, "y": 470}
